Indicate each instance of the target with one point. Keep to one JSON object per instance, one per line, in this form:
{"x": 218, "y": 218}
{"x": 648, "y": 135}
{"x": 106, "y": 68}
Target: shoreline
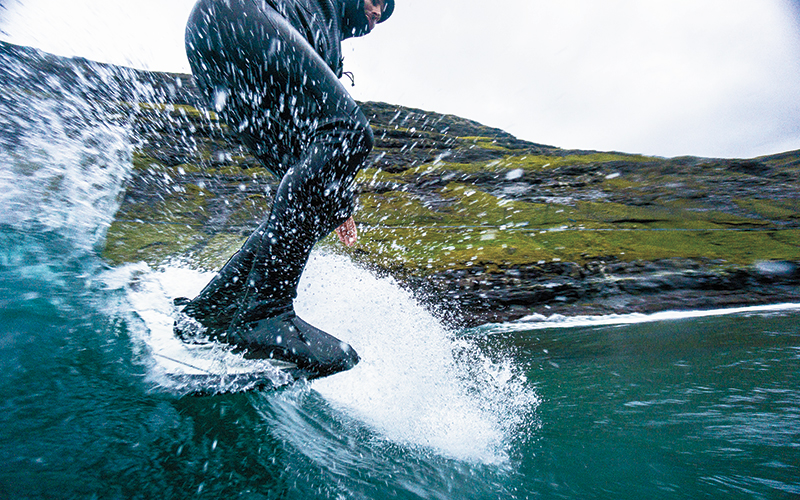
{"x": 478, "y": 296}
{"x": 561, "y": 321}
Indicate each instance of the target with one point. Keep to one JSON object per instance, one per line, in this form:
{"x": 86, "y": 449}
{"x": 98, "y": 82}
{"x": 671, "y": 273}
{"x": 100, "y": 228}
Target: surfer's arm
{"x": 347, "y": 232}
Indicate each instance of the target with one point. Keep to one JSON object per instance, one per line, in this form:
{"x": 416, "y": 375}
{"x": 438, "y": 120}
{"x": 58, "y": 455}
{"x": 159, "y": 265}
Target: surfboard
{"x": 207, "y": 368}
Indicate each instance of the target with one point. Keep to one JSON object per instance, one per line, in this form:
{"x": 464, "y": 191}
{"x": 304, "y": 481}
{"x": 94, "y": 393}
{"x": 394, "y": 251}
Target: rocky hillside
{"x": 483, "y": 226}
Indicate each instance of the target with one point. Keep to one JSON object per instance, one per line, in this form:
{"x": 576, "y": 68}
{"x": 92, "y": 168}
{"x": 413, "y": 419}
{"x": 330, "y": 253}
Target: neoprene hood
{"x": 387, "y": 11}
{"x": 354, "y": 20}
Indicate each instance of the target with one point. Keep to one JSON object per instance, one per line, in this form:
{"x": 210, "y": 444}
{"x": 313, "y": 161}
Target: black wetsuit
{"x": 270, "y": 69}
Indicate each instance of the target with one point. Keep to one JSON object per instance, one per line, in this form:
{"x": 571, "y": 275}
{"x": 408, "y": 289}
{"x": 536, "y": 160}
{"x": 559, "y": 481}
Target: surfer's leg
{"x": 314, "y": 198}
{"x": 291, "y": 110}
{"x": 238, "y": 72}
{"x": 214, "y": 307}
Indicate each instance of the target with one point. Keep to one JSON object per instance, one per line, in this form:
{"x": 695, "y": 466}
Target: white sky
{"x": 717, "y": 78}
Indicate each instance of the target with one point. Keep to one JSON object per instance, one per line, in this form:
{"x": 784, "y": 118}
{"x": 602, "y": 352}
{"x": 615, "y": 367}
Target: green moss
{"x": 216, "y": 250}
{"x": 789, "y": 238}
{"x": 253, "y": 209}
{"x": 462, "y": 204}
{"x": 473, "y": 228}
{"x": 549, "y": 162}
{"x": 471, "y": 206}
{"x": 178, "y": 109}
{"x": 483, "y": 143}
{"x": 396, "y": 208}
{"x": 369, "y": 176}
{"x": 153, "y": 232}
{"x": 513, "y": 162}
{"x": 674, "y": 217}
{"x": 186, "y": 206}
{"x": 151, "y": 243}
{"x": 428, "y": 250}
{"x": 235, "y": 169}
{"x": 771, "y": 209}
{"x": 146, "y": 163}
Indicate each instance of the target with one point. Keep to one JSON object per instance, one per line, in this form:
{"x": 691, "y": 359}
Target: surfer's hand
{"x": 347, "y": 232}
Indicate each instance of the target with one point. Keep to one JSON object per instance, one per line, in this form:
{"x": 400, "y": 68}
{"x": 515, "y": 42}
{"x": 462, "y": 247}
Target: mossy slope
{"x": 477, "y": 213}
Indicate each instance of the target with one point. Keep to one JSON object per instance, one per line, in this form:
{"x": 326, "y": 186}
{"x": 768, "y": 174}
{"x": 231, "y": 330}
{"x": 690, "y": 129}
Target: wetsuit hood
{"x": 354, "y": 19}
{"x": 387, "y": 11}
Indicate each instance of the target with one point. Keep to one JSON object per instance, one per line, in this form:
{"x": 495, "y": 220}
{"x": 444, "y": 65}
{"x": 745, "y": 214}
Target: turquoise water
{"x": 629, "y": 407}
{"x": 693, "y": 408}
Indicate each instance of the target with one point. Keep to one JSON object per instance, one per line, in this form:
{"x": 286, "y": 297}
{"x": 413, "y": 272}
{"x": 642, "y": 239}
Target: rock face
{"x": 611, "y": 287}
{"x": 481, "y": 225}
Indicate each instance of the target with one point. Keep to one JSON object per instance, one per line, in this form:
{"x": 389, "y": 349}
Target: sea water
{"x": 683, "y": 406}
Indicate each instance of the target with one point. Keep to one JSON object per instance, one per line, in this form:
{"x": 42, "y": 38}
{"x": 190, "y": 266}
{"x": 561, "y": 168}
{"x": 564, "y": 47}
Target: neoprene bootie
{"x": 284, "y": 337}
{"x": 288, "y": 338}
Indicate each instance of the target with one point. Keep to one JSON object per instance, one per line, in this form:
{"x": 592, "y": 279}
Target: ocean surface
{"x": 672, "y": 406}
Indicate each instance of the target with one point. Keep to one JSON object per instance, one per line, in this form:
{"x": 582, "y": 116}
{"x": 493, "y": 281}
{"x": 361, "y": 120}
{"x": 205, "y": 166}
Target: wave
{"x": 418, "y": 385}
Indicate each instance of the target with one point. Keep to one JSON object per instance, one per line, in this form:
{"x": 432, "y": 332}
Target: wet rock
{"x": 778, "y": 271}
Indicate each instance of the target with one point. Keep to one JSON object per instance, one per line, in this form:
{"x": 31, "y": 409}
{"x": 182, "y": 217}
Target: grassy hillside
{"x": 432, "y": 200}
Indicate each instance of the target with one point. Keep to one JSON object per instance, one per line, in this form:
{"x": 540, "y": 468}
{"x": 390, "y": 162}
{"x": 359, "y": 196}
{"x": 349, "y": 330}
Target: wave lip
{"x": 418, "y": 385}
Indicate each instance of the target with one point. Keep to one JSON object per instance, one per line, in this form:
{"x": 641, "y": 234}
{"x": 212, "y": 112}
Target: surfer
{"x": 271, "y": 69}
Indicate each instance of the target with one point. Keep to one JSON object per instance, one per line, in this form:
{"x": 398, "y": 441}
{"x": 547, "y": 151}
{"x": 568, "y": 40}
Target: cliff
{"x": 481, "y": 225}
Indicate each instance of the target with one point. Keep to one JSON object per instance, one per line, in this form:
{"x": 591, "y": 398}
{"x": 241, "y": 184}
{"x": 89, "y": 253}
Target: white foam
{"x": 539, "y": 322}
{"x": 67, "y": 169}
{"x": 173, "y": 364}
{"x": 409, "y": 386}
{"x": 416, "y": 384}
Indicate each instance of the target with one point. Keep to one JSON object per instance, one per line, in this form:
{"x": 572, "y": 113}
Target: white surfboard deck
{"x": 196, "y": 368}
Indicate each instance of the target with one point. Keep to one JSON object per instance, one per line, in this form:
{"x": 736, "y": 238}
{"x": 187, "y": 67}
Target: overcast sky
{"x": 718, "y": 78}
